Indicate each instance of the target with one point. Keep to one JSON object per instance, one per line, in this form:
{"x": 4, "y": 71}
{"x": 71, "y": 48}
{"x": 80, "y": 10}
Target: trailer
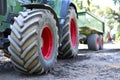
{"x": 91, "y": 30}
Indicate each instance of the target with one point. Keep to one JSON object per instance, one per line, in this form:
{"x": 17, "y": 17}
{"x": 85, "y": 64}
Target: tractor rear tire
{"x": 101, "y": 41}
{"x": 70, "y": 39}
{"x": 93, "y": 42}
{"x": 34, "y": 41}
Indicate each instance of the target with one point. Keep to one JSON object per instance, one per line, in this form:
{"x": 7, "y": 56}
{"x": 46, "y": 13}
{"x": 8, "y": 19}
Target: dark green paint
{"x": 56, "y": 5}
{"x": 12, "y": 7}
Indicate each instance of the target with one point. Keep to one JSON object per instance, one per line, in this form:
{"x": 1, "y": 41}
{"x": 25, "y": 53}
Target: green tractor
{"x": 33, "y": 33}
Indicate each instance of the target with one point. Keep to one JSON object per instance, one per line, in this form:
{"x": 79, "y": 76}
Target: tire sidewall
{"x": 101, "y": 41}
{"x": 74, "y": 16}
{"x": 92, "y": 42}
{"x": 47, "y": 21}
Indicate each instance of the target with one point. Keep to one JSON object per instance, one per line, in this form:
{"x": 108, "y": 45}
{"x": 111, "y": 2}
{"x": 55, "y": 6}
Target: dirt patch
{"x": 88, "y": 65}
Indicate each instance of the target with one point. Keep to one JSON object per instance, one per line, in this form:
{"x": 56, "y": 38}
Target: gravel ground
{"x": 88, "y": 65}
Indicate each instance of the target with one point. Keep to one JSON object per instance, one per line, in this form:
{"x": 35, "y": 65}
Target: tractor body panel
{"x": 8, "y": 9}
{"x": 59, "y": 6}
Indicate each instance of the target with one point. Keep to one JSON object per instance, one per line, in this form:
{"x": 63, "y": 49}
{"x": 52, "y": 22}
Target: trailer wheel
{"x": 93, "y": 42}
{"x": 69, "y": 41}
{"x": 101, "y": 42}
{"x": 34, "y": 41}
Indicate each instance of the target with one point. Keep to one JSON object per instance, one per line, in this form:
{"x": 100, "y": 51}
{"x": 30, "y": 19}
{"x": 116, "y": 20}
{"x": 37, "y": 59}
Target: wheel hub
{"x": 73, "y": 31}
{"x": 47, "y": 42}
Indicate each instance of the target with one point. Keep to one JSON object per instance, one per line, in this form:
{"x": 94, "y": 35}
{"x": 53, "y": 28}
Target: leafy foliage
{"x": 116, "y": 1}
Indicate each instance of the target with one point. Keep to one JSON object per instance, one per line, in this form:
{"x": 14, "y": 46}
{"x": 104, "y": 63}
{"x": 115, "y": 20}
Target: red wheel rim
{"x": 47, "y": 47}
{"x": 97, "y": 41}
{"x": 101, "y": 42}
{"x": 73, "y": 31}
